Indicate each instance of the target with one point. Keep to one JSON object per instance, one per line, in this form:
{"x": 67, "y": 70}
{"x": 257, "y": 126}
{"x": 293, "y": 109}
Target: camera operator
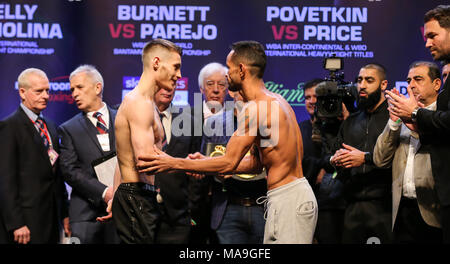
{"x": 312, "y": 153}
{"x": 367, "y": 189}
{"x": 318, "y": 134}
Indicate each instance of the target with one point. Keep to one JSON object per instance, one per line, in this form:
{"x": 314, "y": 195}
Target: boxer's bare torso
{"x": 137, "y": 129}
{"x": 282, "y": 160}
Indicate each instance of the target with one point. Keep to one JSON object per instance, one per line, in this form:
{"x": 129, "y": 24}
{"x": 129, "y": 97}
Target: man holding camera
{"x": 318, "y": 135}
{"x": 367, "y": 189}
{"x": 312, "y": 152}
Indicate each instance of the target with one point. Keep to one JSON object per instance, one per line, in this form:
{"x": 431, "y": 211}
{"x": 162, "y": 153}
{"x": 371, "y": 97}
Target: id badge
{"x": 52, "y": 155}
{"x": 103, "y": 139}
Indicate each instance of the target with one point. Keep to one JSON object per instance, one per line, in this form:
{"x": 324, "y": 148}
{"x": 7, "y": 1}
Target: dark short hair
{"x": 433, "y": 70}
{"x": 377, "y": 66}
{"x": 312, "y": 83}
{"x": 441, "y": 14}
{"x": 252, "y": 54}
{"x": 169, "y": 45}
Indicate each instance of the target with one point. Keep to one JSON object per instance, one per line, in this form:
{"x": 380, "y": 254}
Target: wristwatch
{"x": 367, "y": 158}
{"x": 414, "y": 114}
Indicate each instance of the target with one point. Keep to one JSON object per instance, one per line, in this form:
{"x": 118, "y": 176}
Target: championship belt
{"x": 217, "y": 150}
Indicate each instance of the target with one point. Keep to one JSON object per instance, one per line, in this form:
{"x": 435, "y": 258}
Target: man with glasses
{"x": 213, "y": 85}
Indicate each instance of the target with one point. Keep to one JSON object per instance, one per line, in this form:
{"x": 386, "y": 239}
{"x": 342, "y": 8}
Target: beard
{"x": 233, "y": 86}
{"x": 371, "y": 100}
{"x": 441, "y": 54}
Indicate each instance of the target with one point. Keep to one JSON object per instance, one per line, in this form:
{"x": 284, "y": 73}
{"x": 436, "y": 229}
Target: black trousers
{"x": 330, "y": 223}
{"x": 445, "y": 210}
{"x": 93, "y": 232}
{"x": 135, "y": 213}
{"x": 410, "y": 227}
{"x": 368, "y": 219}
{"x": 172, "y": 234}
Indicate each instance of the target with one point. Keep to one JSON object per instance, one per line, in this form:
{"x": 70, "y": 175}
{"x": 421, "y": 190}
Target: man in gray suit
{"x": 416, "y": 216}
{"x": 87, "y": 137}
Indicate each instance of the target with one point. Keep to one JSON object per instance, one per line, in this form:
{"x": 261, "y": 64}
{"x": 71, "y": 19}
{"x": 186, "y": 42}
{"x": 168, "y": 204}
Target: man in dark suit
{"x": 33, "y": 198}
{"x": 433, "y": 126}
{"x": 87, "y": 137}
{"x": 445, "y": 71}
{"x": 236, "y": 216}
{"x": 213, "y": 85}
{"x": 312, "y": 152}
{"x": 175, "y": 226}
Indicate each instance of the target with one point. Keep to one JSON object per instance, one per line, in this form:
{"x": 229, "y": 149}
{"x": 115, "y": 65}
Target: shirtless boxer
{"x": 138, "y": 130}
{"x": 291, "y": 204}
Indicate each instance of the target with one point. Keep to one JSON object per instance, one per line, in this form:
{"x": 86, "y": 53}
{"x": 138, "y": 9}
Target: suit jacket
{"x": 174, "y": 186}
{"x": 434, "y": 130}
{"x": 79, "y": 147}
{"x": 219, "y": 199}
{"x": 198, "y": 190}
{"x": 32, "y": 191}
{"x": 392, "y": 149}
{"x": 312, "y": 153}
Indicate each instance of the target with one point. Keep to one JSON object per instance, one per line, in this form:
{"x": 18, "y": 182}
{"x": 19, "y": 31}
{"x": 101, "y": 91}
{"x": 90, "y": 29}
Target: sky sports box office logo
{"x": 181, "y": 92}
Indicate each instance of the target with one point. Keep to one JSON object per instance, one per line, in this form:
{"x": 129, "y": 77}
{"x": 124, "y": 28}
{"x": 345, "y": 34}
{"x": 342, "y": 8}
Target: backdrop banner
{"x": 57, "y": 36}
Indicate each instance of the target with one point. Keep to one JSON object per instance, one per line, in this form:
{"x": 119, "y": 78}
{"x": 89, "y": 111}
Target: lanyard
{"x": 45, "y": 131}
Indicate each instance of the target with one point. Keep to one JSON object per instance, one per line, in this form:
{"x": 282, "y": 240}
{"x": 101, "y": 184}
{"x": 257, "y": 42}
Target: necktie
{"x": 43, "y": 132}
{"x": 164, "y": 142}
{"x": 101, "y": 125}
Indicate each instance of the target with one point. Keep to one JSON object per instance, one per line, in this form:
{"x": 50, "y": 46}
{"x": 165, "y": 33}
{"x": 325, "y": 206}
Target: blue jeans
{"x": 242, "y": 225}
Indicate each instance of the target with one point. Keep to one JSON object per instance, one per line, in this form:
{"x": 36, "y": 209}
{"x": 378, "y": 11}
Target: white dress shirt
{"x": 32, "y": 116}
{"x": 409, "y": 188}
{"x": 105, "y": 115}
{"x": 167, "y": 123}
{"x": 207, "y": 111}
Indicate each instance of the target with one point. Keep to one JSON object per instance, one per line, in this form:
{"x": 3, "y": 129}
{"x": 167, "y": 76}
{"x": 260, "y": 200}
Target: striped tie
{"x": 101, "y": 125}
{"x": 164, "y": 142}
{"x": 42, "y": 131}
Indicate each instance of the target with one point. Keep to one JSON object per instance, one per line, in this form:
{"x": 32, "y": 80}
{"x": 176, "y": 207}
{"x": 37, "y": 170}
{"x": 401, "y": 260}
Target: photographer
{"x": 367, "y": 189}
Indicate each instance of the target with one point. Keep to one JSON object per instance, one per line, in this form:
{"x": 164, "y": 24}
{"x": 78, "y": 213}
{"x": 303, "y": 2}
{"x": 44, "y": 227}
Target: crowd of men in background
{"x": 384, "y": 173}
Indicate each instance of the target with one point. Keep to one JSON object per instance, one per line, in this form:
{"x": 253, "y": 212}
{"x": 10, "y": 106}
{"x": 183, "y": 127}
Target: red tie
{"x": 43, "y": 131}
{"x": 101, "y": 125}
